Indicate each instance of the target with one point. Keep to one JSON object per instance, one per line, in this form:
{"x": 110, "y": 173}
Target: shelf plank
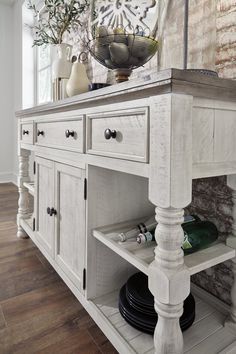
{"x": 215, "y": 343}
{"x": 123, "y": 251}
{"x": 207, "y": 331}
{"x": 30, "y": 187}
{"x": 202, "y": 330}
{"x": 208, "y": 257}
{"x": 230, "y": 349}
{"x": 141, "y": 256}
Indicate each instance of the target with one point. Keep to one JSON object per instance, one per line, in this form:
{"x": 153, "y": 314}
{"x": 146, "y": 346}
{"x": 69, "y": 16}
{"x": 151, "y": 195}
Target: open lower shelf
{"x": 30, "y": 187}
{"x": 142, "y": 255}
{"x": 206, "y": 335}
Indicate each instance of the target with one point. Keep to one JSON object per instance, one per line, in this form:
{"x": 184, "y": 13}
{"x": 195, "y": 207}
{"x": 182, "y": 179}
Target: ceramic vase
{"x": 61, "y": 66}
{"x": 78, "y": 81}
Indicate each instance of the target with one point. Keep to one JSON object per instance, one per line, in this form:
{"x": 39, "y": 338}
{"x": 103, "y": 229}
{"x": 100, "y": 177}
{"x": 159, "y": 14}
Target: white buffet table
{"x": 165, "y": 130}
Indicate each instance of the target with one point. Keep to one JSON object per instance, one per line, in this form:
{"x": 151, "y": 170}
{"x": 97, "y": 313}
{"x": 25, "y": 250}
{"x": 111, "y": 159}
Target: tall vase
{"x": 61, "y": 65}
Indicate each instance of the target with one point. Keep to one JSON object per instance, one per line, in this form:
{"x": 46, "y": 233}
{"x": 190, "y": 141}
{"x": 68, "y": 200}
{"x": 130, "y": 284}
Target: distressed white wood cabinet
{"x": 161, "y": 132}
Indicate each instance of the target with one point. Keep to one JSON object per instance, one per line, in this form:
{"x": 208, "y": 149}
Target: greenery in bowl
{"x": 55, "y": 18}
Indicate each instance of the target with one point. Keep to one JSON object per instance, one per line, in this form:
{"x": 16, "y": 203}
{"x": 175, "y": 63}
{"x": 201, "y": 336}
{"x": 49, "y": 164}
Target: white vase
{"x": 78, "y": 81}
{"x": 61, "y": 66}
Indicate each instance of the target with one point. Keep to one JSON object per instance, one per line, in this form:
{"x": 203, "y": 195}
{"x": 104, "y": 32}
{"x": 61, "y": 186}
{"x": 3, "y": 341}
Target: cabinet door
{"x": 70, "y": 230}
{"x": 45, "y": 199}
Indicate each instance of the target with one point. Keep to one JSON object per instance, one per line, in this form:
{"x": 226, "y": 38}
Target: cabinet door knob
{"x": 51, "y": 211}
{"x": 69, "y": 133}
{"x": 25, "y": 132}
{"x": 110, "y": 134}
{"x": 40, "y": 132}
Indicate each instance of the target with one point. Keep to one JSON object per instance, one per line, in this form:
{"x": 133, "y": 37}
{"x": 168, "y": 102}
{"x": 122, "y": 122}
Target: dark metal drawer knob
{"x": 25, "y": 132}
{"x": 51, "y": 211}
{"x": 40, "y": 132}
{"x": 69, "y": 133}
{"x": 109, "y": 134}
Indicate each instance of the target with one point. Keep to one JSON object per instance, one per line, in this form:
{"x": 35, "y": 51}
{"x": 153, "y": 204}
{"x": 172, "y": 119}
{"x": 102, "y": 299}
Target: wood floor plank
{"x": 53, "y": 338}
{"x": 5, "y": 341}
{"x": 26, "y": 275}
{"x": 101, "y": 340}
{"x": 36, "y": 315}
{"x": 31, "y": 304}
{"x": 2, "y": 320}
{"x": 73, "y": 342}
{"x": 17, "y": 250}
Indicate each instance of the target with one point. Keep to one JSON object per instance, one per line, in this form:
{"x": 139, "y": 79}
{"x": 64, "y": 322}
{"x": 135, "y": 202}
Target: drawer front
{"x": 65, "y": 135}
{"x": 27, "y": 133}
{"x": 127, "y": 134}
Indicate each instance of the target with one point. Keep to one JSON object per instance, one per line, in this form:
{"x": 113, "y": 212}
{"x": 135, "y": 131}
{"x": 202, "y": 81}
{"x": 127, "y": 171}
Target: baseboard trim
{"x": 6, "y": 177}
{"x": 14, "y": 179}
{"x": 210, "y": 299}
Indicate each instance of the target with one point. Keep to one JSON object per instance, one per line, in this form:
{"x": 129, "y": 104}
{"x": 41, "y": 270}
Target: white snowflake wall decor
{"x": 128, "y": 13}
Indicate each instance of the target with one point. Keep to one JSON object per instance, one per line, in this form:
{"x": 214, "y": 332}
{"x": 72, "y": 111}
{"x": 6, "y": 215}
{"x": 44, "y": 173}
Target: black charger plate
{"x": 146, "y": 323}
{"x": 137, "y": 290}
{"x": 150, "y": 330}
{"x": 140, "y": 308}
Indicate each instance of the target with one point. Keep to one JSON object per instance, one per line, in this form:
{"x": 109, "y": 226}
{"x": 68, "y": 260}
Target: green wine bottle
{"x": 198, "y": 235}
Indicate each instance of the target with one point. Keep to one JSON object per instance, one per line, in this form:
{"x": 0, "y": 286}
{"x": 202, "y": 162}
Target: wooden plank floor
{"x": 38, "y": 313}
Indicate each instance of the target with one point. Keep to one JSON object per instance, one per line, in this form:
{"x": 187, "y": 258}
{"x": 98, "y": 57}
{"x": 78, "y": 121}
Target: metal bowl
{"x": 123, "y": 52}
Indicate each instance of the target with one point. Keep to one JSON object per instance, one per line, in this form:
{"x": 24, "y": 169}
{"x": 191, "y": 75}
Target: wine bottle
{"x": 149, "y": 236}
{"x": 197, "y": 235}
{"x": 146, "y": 237}
{"x": 142, "y": 227}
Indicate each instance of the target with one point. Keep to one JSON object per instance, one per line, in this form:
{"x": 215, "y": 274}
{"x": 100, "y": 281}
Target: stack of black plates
{"x": 136, "y": 305}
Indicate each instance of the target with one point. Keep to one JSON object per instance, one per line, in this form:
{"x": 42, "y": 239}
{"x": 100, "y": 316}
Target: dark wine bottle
{"x": 197, "y": 235}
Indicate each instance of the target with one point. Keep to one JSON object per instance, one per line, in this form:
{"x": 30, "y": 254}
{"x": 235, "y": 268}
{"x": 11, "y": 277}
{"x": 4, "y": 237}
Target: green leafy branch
{"x": 55, "y": 19}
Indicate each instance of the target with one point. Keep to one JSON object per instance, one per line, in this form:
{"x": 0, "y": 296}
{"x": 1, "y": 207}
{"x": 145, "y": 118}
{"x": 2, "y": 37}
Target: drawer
{"x": 127, "y": 134}
{"x": 65, "y": 135}
{"x": 27, "y": 133}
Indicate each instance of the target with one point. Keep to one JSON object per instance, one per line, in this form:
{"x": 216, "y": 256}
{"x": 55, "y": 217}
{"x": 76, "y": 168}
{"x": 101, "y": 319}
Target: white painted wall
{"x": 6, "y": 92}
{"x": 23, "y": 70}
{"x": 18, "y": 74}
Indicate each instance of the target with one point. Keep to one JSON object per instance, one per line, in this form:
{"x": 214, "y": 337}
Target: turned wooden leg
{"x": 169, "y": 281}
{"x": 170, "y": 189}
{"x": 23, "y": 202}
